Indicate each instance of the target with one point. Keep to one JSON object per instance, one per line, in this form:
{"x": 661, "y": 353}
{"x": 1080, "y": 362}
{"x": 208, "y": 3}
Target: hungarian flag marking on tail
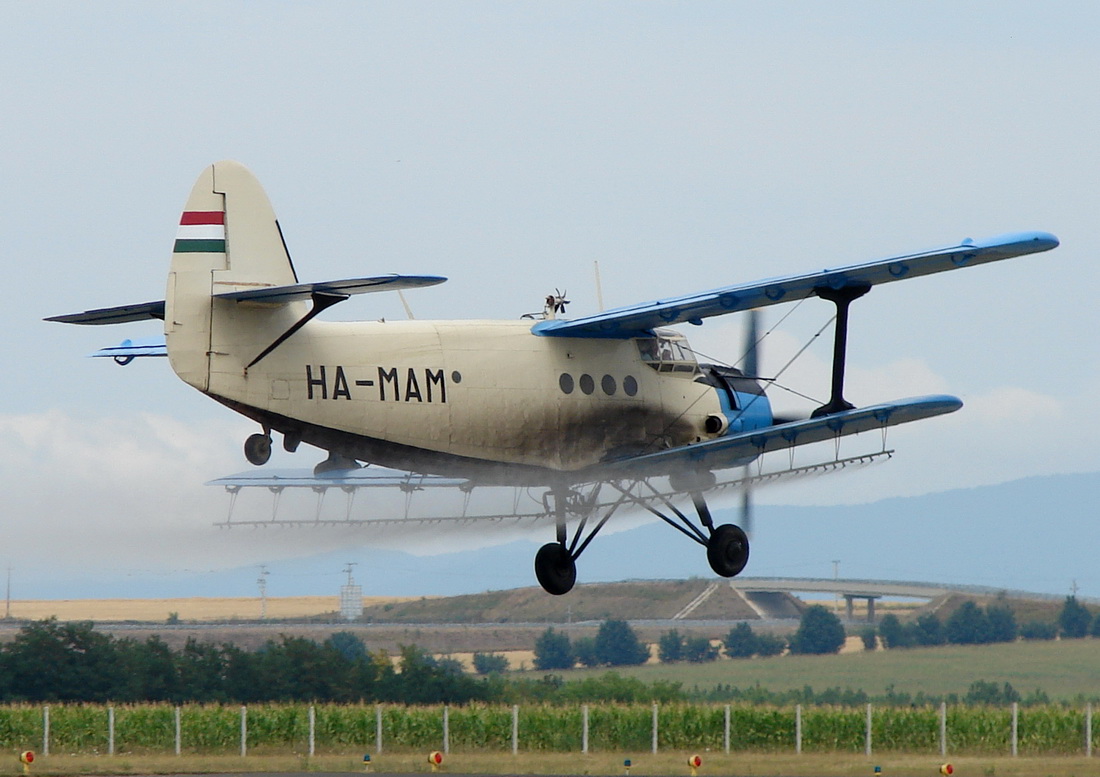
{"x": 201, "y": 232}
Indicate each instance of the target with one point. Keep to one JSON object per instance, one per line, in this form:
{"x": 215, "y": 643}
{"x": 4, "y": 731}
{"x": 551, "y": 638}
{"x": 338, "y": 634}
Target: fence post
{"x": 1088, "y": 730}
{"x": 1015, "y": 728}
{"x": 179, "y": 732}
{"x": 867, "y": 735}
{"x": 654, "y": 728}
{"x": 584, "y": 728}
{"x": 726, "y": 736}
{"x": 46, "y": 730}
{"x": 312, "y": 730}
{"x": 378, "y": 728}
{"x": 446, "y": 729}
{"x": 943, "y": 728}
{"x": 110, "y": 731}
{"x": 798, "y": 729}
{"x": 515, "y": 729}
{"x": 244, "y": 731}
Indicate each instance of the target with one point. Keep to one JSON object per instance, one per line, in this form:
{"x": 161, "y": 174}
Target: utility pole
{"x": 7, "y": 601}
{"x": 836, "y": 577}
{"x": 262, "y": 583}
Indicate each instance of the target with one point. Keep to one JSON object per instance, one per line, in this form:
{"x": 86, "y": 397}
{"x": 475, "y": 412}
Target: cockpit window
{"x": 668, "y": 353}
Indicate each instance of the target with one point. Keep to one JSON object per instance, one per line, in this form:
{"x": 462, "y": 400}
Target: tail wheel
{"x": 728, "y": 550}
{"x": 555, "y": 569}
{"x": 257, "y": 449}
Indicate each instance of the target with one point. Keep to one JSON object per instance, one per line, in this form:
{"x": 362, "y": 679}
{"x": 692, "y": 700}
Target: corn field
{"x": 330, "y": 728}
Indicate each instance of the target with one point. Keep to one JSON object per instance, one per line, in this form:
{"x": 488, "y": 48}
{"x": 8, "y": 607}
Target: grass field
{"x": 1063, "y": 669}
{"x": 192, "y": 609}
{"x": 642, "y": 764}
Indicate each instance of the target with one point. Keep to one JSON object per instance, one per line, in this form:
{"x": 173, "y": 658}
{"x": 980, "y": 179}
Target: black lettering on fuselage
{"x": 311, "y": 382}
{"x": 388, "y": 376}
{"x": 433, "y": 389}
{"x": 340, "y": 385}
{"x": 436, "y": 379}
{"x": 412, "y": 387}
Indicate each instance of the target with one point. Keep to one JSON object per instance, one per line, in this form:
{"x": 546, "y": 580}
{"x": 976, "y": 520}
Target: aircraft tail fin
{"x": 228, "y": 241}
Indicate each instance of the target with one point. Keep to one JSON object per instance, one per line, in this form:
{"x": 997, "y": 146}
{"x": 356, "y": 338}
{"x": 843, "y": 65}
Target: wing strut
{"x": 842, "y": 298}
{"x": 321, "y": 301}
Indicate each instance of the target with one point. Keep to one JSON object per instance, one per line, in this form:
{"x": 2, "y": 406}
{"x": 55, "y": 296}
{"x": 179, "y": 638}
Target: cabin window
{"x": 668, "y": 353}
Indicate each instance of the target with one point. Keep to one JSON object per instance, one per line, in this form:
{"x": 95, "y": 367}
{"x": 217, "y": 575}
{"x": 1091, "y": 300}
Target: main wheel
{"x": 555, "y": 569}
{"x": 728, "y": 550}
{"x": 257, "y": 449}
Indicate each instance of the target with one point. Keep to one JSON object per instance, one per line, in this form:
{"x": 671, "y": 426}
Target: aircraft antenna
{"x": 599, "y": 286}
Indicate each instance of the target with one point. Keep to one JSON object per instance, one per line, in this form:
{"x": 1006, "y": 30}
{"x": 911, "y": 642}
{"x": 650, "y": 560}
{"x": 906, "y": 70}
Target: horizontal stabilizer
{"x": 123, "y": 314}
{"x": 732, "y": 449}
{"x": 304, "y": 291}
{"x": 271, "y": 294}
{"x": 132, "y": 349}
{"x": 639, "y": 320}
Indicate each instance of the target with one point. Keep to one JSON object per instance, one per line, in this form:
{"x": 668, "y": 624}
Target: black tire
{"x": 728, "y": 550}
{"x": 257, "y": 449}
{"x": 555, "y": 569}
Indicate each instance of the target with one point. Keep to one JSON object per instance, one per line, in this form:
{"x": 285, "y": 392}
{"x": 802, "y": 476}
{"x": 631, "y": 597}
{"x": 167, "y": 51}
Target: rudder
{"x": 228, "y": 240}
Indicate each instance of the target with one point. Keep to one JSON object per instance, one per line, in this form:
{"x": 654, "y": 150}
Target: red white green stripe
{"x": 201, "y": 232}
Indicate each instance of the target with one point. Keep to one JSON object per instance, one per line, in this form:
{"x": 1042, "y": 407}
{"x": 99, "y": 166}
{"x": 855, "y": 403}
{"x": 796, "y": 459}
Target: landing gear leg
{"x": 555, "y": 566}
{"x": 257, "y": 448}
{"x": 728, "y": 545}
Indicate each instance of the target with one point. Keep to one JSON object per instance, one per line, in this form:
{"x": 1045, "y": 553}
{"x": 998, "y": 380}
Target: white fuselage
{"x": 449, "y": 394}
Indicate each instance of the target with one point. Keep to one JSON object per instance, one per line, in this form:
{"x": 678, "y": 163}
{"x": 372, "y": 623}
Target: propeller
{"x": 556, "y": 302}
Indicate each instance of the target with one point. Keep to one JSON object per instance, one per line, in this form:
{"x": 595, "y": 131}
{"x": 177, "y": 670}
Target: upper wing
{"x": 729, "y": 450}
{"x": 637, "y": 320}
{"x": 270, "y": 294}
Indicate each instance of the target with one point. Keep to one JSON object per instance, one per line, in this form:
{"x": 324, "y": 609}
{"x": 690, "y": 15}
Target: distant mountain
{"x": 1037, "y": 534}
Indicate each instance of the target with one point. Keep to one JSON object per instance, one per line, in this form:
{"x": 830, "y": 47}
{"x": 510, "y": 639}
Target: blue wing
{"x": 638, "y": 320}
{"x": 736, "y": 449}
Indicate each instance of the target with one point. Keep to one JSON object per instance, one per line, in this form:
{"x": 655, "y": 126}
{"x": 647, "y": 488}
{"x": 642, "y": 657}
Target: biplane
{"x": 596, "y": 414}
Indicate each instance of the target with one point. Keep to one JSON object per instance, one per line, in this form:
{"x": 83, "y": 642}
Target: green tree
{"x": 553, "y": 651}
{"x": 698, "y": 650}
{"x": 870, "y": 639}
{"x": 968, "y": 625}
{"x": 51, "y": 661}
{"x": 928, "y": 630}
{"x": 618, "y": 645}
{"x": 1074, "y": 619}
{"x": 741, "y": 642}
{"x": 670, "y": 647}
{"x": 1038, "y": 630}
{"x": 1094, "y": 631}
{"x": 490, "y": 663}
{"x": 1002, "y": 624}
{"x": 819, "y": 632}
{"x": 893, "y": 634}
{"x": 584, "y": 649}
{"x": 770, "y": 644}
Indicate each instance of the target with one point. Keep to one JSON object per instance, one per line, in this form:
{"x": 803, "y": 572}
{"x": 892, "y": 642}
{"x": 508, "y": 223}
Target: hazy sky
{"x": 509, "y": 146}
